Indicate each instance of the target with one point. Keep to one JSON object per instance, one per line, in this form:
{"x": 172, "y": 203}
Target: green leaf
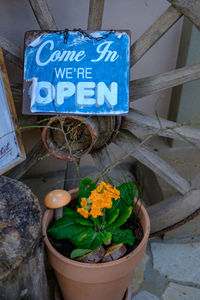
{"x": 127, "y": 192}
{"x": 85, "y": 222}
{"x": 79, "y": 252}
{"x": 86, "y": 186}
{"x": 69, "y": 212}
{"x": 124, "y": 214}
{"x": 106, "y": 236}
{"x": 111, "y": 215}
{"x": 97, "y": 221}
{"x": 91, "y": 239}
{"x": 66, "y": 228}
{"x": 124, "y": 236}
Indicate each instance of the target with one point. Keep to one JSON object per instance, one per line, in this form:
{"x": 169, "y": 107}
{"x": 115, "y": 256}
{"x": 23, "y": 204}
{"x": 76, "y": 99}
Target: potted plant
{"x": 98, "y": 228}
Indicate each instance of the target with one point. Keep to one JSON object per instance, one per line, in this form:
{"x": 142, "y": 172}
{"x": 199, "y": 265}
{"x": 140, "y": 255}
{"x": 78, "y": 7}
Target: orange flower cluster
{"x": 83, "y": 212}
{"x": 99, "y": 199}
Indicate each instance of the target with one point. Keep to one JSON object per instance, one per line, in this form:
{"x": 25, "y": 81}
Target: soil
{"x": 65, "y": 247}
{"x": 77, "y": 134}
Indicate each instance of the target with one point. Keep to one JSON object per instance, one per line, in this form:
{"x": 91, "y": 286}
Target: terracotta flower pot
{"x": 103, "y": 281}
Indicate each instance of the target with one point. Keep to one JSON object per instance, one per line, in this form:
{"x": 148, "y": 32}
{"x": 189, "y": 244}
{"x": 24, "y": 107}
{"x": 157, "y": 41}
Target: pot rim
{"x": 127, "y": 257}
{"x": 62, "y": 154}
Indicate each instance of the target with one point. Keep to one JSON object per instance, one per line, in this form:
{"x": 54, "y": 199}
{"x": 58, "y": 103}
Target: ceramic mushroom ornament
{"x": 57, "y": 199}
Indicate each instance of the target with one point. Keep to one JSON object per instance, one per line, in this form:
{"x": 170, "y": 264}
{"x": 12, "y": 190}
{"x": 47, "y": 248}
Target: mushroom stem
{"x": 58, "y": 213}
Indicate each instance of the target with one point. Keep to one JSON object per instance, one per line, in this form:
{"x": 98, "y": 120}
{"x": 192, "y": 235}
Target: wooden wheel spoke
{"x": 101, "y": 159}
{"x": 95, "y": 14}
{"x": 153, "y": 34}
{"x": 128, "y": 142}
{"x": 11, "y": 52}
{"x": 43, "y": 14}
{"x": 36, "y": 153}
{"x": 173, "y": 209}
{"x": 190, "y": 9}
{"x": 160, "y": 127}
{"x": 156, "y": 83}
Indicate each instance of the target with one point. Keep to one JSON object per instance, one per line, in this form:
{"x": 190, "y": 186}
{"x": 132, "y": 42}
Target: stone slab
{"x": 180, "y": 292}
{"x": 144, "y": 295}
{"x": 138, "y": 274}
{"x": 179, "y": 262}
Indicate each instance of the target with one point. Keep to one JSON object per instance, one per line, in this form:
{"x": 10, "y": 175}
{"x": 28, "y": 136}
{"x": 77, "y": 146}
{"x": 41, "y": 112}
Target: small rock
{"x": 114, "y": 253}
{"x": 92, "y": 257}
{"x": 178, "y": 261}
{"x": 180, "y": 292}
{"x": 144, "y": 295}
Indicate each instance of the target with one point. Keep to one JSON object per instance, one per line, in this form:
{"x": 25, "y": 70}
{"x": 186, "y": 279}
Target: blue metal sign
{"x": 78, "y": 74}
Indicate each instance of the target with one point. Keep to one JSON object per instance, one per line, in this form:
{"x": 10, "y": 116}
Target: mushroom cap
{"x": 57, "y": 199}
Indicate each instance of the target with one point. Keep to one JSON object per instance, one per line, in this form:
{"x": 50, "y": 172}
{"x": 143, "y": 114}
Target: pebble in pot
{"x": 57, "y": 199}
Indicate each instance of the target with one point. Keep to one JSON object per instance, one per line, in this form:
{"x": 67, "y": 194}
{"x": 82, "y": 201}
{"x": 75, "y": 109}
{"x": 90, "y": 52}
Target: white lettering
{"x": 57, "y": 55}
{"x": 69, "y": 73}
{"x": 80, "y": 72}
{"x": 64, "y": 90}
{"x": 105, "y": 53}
{"x": 88, "y": 73}
{"x": 104, "y": 93}
{"x": 60, "y": 73}
{"x": 85, "y": 90}
{"x": 38, "y": 61}
{"x": 43, "y": 92}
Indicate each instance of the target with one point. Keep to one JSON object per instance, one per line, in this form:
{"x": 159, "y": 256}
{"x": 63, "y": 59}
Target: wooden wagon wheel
{"x": 181, "y": 207}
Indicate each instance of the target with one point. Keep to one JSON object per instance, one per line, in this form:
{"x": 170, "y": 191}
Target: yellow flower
{"x": 83, "y": 202}
{"x": 95, "y": 212}
{"x": 83, "y": 212}
{"x": 100, "y": 198}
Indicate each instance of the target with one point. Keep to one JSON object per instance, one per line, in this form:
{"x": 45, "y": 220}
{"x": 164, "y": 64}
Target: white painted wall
{"x": 16, "y": 17}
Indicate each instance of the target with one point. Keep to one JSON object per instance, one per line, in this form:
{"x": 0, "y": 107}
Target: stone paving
{"x": 170, "y": 269}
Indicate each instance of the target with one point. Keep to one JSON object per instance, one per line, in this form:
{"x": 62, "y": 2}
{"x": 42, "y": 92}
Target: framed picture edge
{"x": 13, "y": 115}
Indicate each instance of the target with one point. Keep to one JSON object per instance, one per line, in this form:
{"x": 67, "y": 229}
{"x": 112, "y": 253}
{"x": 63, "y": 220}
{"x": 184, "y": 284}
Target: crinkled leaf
{"x": 124, "y": 236}
{"x": 86, "y": 186}
{"x": 106, "y": 236}
{"x": 111, "y": 215}
{"x": 91, "y": 239}
{"x": 66, "y": 228}
{"x": 85, "y": 222}
{"x": 127, "y": 192}
{"x": 79, "y": 252}
{"x": 124, "y": 213}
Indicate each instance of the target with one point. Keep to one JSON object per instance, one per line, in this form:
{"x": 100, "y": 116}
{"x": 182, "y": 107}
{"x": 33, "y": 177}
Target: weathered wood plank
{"x": 25, "y": 121}
{"x": 127, "y": 141}
{"x": 102, "y": 160}
{"x": 11, "y": 52}
{"x": 43, "y": 15}
{"x": 36, "y": 153}
{"x": 153, "y": 84}
{"x": 190, "y": 8}
{"x": 161, "y": 127}
{"x": 16, "y": 89}
{"x": 149, "y": 182}
{"x": 95, "y": 14}
{"x": 153, "y": 34}
{"x": 173, "y": 210}
{"x": 72, "y": 178}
